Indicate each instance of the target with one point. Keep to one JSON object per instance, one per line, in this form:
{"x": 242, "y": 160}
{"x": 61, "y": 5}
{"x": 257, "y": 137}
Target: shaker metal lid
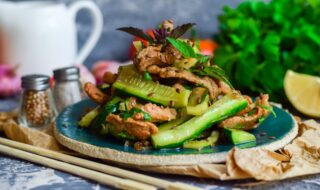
{"x": 35, "y": 82}
{"x": 66, "y": 74}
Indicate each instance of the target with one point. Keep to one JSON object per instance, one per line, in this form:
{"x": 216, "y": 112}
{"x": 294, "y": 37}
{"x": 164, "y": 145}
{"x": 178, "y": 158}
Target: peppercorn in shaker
{"x": 36, "y": 105}
{"x": 67, "y": 88}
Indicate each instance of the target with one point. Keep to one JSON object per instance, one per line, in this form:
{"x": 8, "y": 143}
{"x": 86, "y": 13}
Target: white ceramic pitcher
{"x": 41, "y": 35}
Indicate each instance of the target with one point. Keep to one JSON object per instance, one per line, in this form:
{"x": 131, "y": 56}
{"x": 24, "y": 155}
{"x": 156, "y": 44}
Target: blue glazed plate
{"x": 272, "y": 134}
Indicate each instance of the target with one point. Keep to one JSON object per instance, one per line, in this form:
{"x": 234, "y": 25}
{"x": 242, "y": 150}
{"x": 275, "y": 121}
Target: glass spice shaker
{"x": 67, "y": 88}
{"x": 36, "y": 105}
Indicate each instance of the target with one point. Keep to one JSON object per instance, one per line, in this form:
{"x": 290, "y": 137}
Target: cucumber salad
{"x": 172, "y": 96}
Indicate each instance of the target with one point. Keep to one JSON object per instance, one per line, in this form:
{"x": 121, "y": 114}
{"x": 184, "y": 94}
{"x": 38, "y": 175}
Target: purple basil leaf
{"x": 160, "y": 34}
{"x": 136, "y": 32}
{"x": 180, "y": 30}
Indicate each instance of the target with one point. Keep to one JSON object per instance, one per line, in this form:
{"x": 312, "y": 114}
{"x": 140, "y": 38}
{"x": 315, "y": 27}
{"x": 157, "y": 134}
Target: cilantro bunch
{"x": 259, "y": 41}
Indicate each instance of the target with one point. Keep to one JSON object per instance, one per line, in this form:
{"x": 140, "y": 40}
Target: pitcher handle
{"x": 97, "y": 19}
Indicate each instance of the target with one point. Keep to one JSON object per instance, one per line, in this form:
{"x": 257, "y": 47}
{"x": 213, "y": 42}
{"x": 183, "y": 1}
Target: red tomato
{"x": 132, "y": 50}
{"x": 51, "y": 82}
{"x": 208, "y": 46}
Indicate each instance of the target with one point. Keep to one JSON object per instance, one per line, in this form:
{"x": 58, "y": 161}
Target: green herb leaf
{"x": 269, "y": 108}
{"x": 147, "y": 76}
{"x": 259, "y": 42}
{"x": 137, "y": 32}
{"x": 127, "y": 114}
{"x": 252, "y": 112}
{"x": 111, "y": 108}
{"x": 203, "y": 59}
{"x": 185, "y": 49}
{"x": 213, "y": 71}
{"x": 146, "y": 116}
{"x": 261, "y": 119}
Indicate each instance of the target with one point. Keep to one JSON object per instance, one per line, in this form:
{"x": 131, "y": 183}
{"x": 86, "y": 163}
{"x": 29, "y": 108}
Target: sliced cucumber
{"x": 109, "y": 107}
{"x": 133, "y": 82}
{"x": 237, "y": 136}
{"x": 199, "y": 144}
{"x": 227, "y": 106}
{"x": 104, "y": 129}
{"x": 200, "y": 108}
{"x": 138, "y": 45}
{"x": 88, "y": 118}
{"x": 197, "y": 96}
{"x": 186, "y": 63}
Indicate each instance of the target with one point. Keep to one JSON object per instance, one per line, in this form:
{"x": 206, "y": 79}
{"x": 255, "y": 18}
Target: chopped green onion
{"x": 147, "y": 76}
{"x": 269, "y": 108}
{"x": 261, "y": 119}
{"x": 127, "y": 114}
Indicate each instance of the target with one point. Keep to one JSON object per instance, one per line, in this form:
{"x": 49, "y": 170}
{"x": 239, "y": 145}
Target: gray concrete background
{"x": 145, "y": 14}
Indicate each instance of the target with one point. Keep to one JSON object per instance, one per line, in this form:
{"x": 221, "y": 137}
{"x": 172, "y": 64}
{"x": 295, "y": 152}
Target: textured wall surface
{"x": 145, "y": 13}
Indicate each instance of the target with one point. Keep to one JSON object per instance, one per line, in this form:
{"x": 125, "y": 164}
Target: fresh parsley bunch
{"x": 259, "y": 41}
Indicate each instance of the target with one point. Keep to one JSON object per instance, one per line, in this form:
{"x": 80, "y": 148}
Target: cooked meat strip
{"x": 140, "y": 129}
{"x": 109, "y": 77}
{"x": 262, "y": 100}
{"x": 212, "y": 87}
{"x": 248, "y": 121}
{"x": 95, "y": 93}
{"x": 159, "y": 113}
{"x": 173, "y": 72}
{"x": 156, "y": 55}
{"x": 224, "y": 88}
{"x": 138, "y": 116}
{"x": 249, "y": 107}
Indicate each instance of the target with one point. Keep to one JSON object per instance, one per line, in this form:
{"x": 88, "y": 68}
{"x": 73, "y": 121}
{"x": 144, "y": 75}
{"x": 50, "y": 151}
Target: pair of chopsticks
{"x": 100, "y": 173}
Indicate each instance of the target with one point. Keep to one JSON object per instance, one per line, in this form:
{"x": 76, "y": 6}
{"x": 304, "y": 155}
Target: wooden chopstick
{"x": 93, "y": 166}
{"x": 83, "y": 172}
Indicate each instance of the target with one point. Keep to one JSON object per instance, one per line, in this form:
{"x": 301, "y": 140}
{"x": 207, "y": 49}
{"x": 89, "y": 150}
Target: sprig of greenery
{"x": 147, "y": 76}
{"x": 204, "y": 70}
{"x": 270, "y": 109}
{"x": 259, "y": 41}
{"x": 212, "y": 71}
{"x": 261, "y": 119}
{"x": 185, "y": 49}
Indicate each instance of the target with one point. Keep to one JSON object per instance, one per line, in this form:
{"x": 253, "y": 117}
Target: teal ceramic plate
{"x": 273, "y": 133}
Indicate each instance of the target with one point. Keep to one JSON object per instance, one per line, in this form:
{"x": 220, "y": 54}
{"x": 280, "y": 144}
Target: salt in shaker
{"x": 67, "y": 88}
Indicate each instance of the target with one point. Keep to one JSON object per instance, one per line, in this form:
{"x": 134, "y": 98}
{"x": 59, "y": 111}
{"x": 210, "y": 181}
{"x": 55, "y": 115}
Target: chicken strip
{"x": 142, "y": 130}
{"x": 156, "y": 55}
{"x": 249, "y": 119}
{"x": 173, "y": 72}
{"x": 157, "y": 113}
{"x": 95, "y": 93}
